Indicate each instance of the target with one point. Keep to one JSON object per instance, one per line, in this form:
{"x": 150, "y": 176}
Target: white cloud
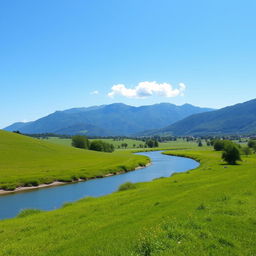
{"x": 146, "y": 89}
{"x": 94, "y": 92}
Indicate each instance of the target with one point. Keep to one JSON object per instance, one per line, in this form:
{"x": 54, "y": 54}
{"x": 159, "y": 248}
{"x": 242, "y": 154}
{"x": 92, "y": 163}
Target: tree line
{"x": 80, "y": 141}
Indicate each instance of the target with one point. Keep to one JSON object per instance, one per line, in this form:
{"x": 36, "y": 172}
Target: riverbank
{"x": 59, "y": 183}
{"x": 28, "y": 162}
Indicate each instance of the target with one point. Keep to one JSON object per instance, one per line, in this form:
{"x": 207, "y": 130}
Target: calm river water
{"x": 54, "y": 197}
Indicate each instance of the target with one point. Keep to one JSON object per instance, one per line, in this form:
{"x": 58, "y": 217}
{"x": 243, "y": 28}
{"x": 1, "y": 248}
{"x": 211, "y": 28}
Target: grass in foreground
{"x": 207, "y": 211}
{"x": 25, "y": 161}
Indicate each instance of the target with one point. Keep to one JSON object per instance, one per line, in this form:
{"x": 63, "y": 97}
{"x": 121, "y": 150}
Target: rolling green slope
{"x": 208, "y": 211}
{"x": 25, "y": 161}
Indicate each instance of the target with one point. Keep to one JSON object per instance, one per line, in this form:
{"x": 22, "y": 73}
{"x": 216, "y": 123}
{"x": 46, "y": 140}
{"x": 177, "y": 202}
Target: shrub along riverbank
{"x": 207, "y": 211}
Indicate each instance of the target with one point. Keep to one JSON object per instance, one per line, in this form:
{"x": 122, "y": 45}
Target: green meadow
{"x": 25, "y": 161}
{"x": 130, "y": 142}
{"x": 180, "y": 143}
{"x": 206, "y": 211}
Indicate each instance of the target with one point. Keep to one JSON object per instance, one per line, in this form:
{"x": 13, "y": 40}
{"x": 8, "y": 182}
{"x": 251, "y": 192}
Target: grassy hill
{"x": 237, "y": 119}
{"x": 208, "y": 211}
{"x": 25, "y": 161}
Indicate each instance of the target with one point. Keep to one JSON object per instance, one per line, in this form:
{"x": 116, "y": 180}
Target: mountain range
{"x": 109, "y": 120}
{"x": 160, "y": 119}
{"x": 233, "y": 120}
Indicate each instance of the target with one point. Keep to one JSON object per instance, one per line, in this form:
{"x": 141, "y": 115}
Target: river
{"x": 54, "y": 197}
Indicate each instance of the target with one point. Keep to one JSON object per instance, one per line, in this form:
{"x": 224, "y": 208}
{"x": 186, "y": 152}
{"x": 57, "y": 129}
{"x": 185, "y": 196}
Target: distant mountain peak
{"x": 116, "y": 119}
{"x": 236, "y": 119}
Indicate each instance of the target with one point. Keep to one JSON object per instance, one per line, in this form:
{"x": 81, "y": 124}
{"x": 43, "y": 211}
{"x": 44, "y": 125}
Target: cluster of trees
{"x": 158, "y": 138}
{"x": 99, "y": 145}
{"x": 48, "y": 135}
{"x": 80, "y": 141}
{"x": 151, "y": 143}
{"x": 124, "y": 145}
{"x": 231, "y": 151}
{"x": 252, "y": 145}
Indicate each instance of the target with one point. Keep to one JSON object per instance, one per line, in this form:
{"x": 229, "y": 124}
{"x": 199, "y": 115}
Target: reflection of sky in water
{"x": 55, "y": 197}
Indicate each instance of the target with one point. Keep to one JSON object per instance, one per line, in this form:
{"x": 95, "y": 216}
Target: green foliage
{"x": 231, "y": 154}
{"x": 151, "y": 143}
{"x": 126, "y": 186}
{"x": 80, "y": 141}
{"x": 252, "y": 145}
{"x": 99, "y": 145}
{"x": 28, "y": 212}
{"x": 246, "y": 151}
{"x": 219, "y": 145}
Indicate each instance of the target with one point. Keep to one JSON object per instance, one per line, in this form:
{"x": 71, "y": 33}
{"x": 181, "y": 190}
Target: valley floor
{"x": 207, "y": 211}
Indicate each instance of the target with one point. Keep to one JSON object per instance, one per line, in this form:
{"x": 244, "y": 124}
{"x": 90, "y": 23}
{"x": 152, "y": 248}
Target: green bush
{"x": 126, "y": 186}
{"x": 219, "y": 145}
{"x": 252, "y": 145}
{"x": 99, "y": 145}
{"x": 80, "y": 141}
{"x": 28, "y": 212}
{"x": 151, "y": 143}
{"x": 231, "y": 154}
{"x": 246, "y": 151}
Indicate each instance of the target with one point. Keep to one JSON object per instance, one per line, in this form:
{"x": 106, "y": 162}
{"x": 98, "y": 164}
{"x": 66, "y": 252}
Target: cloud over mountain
{"x": 147, "y": 89}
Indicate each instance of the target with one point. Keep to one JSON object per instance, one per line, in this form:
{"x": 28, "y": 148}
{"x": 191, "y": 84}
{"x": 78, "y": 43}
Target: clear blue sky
{"x": 55, "y": 53}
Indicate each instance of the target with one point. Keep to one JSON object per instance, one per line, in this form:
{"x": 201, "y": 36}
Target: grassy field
{"x": 180, "y": 143}
{"x": 207, "y": 211}
{"x": 131, "y": 143}
{"x": 57, "y": 140}
{"x": 25, "y": 161}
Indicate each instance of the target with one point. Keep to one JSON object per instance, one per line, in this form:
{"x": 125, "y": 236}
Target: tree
{"x": 200, "y": 144}
{"x": 246, "y": 151}
{"x": 99, "y": 145}
{"x": 80, "y": 141}
{"x": 220, "y": 145}
{"x": 252, "y": 144}
{"x": 231, "y": 154}
{"x": 151, "y": 143}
